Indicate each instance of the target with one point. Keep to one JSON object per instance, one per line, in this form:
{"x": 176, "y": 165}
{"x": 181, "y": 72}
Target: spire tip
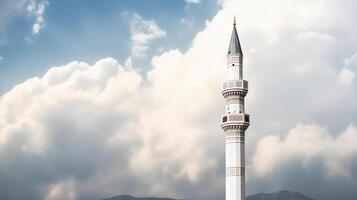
{"x": 234, "y": 21}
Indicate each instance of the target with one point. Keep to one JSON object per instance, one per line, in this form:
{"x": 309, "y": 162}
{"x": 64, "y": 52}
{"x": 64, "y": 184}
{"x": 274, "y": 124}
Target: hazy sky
{"x": 102, "y": 98}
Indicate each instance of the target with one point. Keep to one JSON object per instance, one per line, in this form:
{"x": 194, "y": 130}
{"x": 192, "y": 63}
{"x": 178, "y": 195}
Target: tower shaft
{"x": 235, "y": 121}
{"x": 235, "y": 171}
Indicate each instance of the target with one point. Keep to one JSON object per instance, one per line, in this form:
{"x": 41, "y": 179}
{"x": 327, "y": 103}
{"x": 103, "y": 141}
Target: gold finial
{"x": 234, "y": 21}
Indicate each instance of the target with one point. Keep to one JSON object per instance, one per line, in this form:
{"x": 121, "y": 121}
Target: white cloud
{"x": 10, "y": 9}
{"x": 74, "y": 102}
{"x": 142, "y": 33}
{"x": 307, "y": 144}
{"x": 62, "y": 190}
{"x": 351, "y": 61}
{"x": 193, "y": 1}
{"x": 315, "y": 37}
{"x": 37, "y": 9}
{"x": 348, "y": 72}
{"x": 346, "y": 76}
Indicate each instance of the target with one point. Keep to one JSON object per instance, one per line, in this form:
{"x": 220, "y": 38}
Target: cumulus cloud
{"x": 97, "y": 123}
{"x": 142, "y": 33}
{"x": 88, "y": 131}
{"x": 307, "y": 143}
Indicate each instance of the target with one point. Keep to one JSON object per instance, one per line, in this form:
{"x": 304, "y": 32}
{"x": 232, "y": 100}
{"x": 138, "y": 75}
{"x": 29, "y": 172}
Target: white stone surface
{"x": 234, "y": 130}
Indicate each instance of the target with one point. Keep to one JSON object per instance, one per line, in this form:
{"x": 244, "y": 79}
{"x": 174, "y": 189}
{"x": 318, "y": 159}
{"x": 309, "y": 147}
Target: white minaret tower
{"x": 235, "y": 121}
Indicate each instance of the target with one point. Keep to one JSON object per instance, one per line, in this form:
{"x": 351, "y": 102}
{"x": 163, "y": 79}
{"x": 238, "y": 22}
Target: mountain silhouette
{"x": 281, "y": 195}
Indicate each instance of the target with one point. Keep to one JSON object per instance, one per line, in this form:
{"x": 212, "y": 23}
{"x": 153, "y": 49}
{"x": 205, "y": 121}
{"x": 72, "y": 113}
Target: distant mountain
{"x": 281, "y": 195}
{"x": 128, "y": 197}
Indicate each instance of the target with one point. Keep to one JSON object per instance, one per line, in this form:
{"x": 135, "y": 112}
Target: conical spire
{"x": 234, "y": 45}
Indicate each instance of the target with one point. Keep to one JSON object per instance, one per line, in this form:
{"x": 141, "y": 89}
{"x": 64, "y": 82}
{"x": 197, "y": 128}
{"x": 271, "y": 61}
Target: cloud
{"x": 306, "y": 144}
{"x": 88, "y": 131}
{"x": 78, "y": 110}
{"x": 346, "y": 76}
{"x": 11, "y": 9}
{"x": 351, "y": 61}
{"x": 63, "y": 190}
{"x": 37, "y": 9}
{"x": 142, "y": 33}
{"x": 193, "y": 1}
{"x": 348, "y": 71}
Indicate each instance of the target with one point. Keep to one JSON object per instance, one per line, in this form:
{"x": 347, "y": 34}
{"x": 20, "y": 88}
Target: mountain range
{"x": 281, "y": 195}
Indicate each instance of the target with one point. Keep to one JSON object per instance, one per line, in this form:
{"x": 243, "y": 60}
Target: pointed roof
{"x": 234, "y": 45}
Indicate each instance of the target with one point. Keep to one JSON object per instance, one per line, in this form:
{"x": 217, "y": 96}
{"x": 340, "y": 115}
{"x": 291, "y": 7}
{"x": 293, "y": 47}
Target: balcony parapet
{"x": 235, "y": 121}
{"x": 235, "y": 88}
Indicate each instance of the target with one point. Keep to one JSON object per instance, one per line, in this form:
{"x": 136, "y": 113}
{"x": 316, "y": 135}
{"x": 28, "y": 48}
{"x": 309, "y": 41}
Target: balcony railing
{"x": 241, "y": 84}
{"x": 239, "y": 118}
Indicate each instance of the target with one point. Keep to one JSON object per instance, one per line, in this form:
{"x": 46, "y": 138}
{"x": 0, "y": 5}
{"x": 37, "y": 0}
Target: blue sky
{"x": 89, "y": 30}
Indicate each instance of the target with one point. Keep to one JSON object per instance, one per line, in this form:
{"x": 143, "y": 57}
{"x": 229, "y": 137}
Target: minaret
{"x": 235, "y": 121}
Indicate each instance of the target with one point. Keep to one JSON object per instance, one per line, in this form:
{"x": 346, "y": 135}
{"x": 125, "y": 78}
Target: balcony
{"x": 242, "y": 84}
{"x": 235, "y": 121}
{"x": 235, "y": 87}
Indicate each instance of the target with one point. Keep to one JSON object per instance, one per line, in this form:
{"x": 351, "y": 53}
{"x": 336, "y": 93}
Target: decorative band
{"x": 235, "y": 134}
{"x": 235, "y": 171}
{"x": 235, "y": 142}
{"x": 234, "y": 139}
{"x": 235, "y": 127}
